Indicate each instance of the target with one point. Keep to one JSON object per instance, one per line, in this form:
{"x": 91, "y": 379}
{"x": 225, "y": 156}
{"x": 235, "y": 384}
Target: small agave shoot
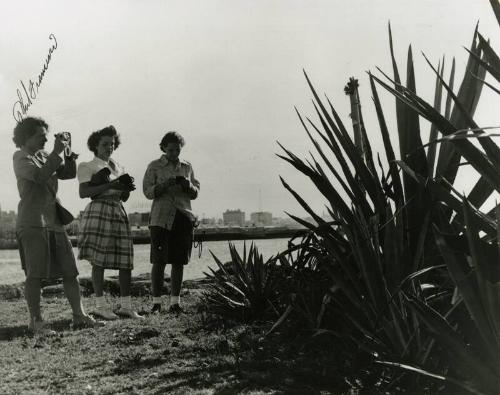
{"x": 244, "y": 288}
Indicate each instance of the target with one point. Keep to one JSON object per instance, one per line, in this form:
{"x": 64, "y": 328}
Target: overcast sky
{"x": 225, "y": 74}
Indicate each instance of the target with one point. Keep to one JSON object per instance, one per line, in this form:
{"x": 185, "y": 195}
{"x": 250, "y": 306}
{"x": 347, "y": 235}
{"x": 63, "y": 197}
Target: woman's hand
{"x": 59, "y": 145}
{"x": 124, "y": 196}
{"x": 117, "y": 185}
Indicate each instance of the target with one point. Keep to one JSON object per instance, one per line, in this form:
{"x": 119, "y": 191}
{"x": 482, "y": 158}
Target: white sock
{"x": 175, "y": 300}
{"x": 156, "y": 299}
{"x": 126, "y": 302}
{"x": 99, "y": 302}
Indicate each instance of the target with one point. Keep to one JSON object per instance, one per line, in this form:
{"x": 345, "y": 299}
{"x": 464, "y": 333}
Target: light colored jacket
{"x": 165, "y": 204}
{"x": 37, "y": 183}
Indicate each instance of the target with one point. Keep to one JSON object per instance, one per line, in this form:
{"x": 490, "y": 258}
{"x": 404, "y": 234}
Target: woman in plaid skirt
{"x": 104, "y": 237}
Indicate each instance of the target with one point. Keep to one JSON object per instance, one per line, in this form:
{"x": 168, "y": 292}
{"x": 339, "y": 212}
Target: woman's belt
{"x": 114, "y": 198}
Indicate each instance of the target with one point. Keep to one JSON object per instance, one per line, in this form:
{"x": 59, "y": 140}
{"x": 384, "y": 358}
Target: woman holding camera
{"x": 170, "y": 183}
{"x": 105, "y": 238}
{"x": 44, "y": 246}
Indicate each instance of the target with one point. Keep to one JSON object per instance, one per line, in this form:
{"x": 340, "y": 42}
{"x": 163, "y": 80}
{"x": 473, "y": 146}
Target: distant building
{"x": 234, "y": 217}
{"x": 208, "y": 221}
{"x": 7, "y": 224}
{"x": 287, "y": 222}
{"x": 261, "y": 218}
{"x": 138, "y": 219}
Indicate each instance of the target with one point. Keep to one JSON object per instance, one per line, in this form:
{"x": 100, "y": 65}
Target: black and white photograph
{"x": 212, "y": 197}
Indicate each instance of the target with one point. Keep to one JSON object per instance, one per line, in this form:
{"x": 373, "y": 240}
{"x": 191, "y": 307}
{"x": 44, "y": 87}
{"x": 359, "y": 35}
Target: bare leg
{"x": 126, "y": 309}
{"x": 98, "y": 280}
{"x": 72, "y": 291}
{"x": 32, "y": 291}
{"x": 157, "y": 278}
{"x": 176, "y": 279}
{"x": 125, "y": 278}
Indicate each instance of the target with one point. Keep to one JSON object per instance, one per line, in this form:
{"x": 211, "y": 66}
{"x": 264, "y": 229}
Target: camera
{"x": 65, "y": 136}
{"x": 179, "y": 179}
{"x": 127, "y": 180}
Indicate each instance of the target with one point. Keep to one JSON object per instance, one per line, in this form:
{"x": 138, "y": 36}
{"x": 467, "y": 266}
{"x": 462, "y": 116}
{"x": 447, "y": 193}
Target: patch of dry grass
{"x": 184, "y": 354}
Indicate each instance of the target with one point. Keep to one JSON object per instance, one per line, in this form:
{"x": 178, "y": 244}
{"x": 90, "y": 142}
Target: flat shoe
{"x": 105, "y": 314}
{"x": 130, "y": 314}
{"x": 40, "y": 328}
{"x": 86, "y": 322}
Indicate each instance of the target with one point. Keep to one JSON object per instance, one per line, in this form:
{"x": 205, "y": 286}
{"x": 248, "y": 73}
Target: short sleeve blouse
{"x": 86, "y": 170}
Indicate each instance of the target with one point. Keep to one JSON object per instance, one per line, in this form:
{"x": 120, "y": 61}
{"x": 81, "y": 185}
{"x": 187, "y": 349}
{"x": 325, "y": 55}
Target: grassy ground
{"x": 184, "y": 354}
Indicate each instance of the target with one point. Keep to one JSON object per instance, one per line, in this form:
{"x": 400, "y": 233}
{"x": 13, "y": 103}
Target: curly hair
{"x": 27, "y": 128}
{"x": 95, "y": 137}
{"x": 172, "y": 137}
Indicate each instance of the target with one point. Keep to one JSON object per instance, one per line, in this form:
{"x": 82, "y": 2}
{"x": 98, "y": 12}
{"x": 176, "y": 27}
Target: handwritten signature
{"x": 22, "y": 105}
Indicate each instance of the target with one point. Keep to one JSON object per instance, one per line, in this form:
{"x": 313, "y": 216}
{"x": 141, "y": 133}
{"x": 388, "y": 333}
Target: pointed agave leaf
{"x": 369, "y": 181}
{"x": 451, "y": 83}
{"x": 356, "y": 191}
{"x": 490, "y": 61}
{"x": 481, "y": 191}
{"x": 393, "y": 170}
{"x": 496, "y": 9}
{"x": 407, "y": 119}
{"x": 464, "y": 385}
{"x": 487, "y": 264}
{"x": 440, "y": 193}
{"x": 323, "y": 184}
{"x": 473, "y": 155}
{"x": 302, "y": 222}
{"x": 463, "y": 356}
{"x": 465, "y": 104}
{"x": 467, "y": 121}
{"x": 490, "y": 58}
{"x": 323, "y": 155}
{"x": 497, "y": 210}
{"x": 463, "y": 276}
{"x": 438, "y": 96}
{"x": 411, "y": 130}
{"x": 282, "y": 319}
{"x": 449, "y": 158}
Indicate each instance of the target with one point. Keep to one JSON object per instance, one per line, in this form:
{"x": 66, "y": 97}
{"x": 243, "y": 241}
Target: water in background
{"x": 11, "y": 272}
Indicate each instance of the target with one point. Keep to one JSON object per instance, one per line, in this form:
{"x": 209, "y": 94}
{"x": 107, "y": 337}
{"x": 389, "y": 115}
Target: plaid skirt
{"x": 104, "y": 237}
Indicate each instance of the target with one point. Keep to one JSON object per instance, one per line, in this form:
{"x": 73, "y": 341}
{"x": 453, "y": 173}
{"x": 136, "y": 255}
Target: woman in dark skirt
{"x": 171, "y": 184}
{"x": 104, "y": 237}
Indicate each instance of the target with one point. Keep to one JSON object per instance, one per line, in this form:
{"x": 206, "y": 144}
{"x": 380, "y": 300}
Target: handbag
{"x": 64, "y": 215}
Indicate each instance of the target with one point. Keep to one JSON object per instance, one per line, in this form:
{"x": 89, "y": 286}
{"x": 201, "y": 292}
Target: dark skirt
{"x": 104, "y": 237}
{"x": 172, "y": 246}
{"x": 46, "y": 253}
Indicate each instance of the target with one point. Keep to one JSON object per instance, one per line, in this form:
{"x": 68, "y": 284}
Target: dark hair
{"x": 27, "y": 128}
{"x": 171, "y": 137}
{"x": 95, "y": 137}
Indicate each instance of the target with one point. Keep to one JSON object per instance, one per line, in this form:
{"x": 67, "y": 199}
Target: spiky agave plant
{"x": 383, "y": 249}
{"x": 470, "y": 334}
{"x": 245, "y": 288}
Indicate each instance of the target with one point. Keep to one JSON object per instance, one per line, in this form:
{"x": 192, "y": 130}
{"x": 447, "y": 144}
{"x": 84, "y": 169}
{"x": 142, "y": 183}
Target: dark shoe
{"x": 156, "y": 309}
{"x": 175, "y": 309}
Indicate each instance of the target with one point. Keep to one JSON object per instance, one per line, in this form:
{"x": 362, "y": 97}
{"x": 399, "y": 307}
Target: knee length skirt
{"x": 104, "y": 237}
{"x": 46, "y": 253}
